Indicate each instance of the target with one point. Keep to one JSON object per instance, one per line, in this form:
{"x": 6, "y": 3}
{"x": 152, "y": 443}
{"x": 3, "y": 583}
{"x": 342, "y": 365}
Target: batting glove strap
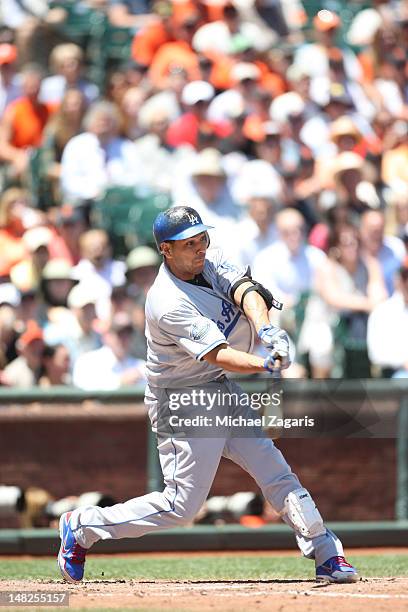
{"x": 270, "y": 335}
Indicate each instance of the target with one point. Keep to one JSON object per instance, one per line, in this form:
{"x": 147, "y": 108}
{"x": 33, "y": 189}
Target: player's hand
{"x": 277, "y": 341}
{"x": 273, "y": 365}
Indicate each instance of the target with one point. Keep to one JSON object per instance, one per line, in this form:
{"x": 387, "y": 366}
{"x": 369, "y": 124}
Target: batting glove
{"x": 277, "y": 341}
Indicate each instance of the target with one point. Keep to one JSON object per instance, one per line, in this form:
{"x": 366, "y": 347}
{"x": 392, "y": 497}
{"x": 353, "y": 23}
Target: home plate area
{"x": 376, "y": 594}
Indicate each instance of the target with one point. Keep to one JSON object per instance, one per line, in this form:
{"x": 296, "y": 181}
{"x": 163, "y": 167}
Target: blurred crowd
{"x": 284, "y": 127}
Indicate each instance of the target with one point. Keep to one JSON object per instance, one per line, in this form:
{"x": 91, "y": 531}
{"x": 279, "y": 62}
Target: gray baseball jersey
{"x": 185, "y": 321}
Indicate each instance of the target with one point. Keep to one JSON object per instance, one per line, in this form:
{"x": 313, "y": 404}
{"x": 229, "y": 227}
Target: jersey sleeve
{"x": 194, "y": 333}
{"x": 226, "y": 273}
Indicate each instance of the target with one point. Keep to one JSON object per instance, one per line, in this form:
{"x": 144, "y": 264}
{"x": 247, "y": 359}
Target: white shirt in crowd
{"x": 390, "y": 257}
{"x": 387, "y": 333}
{"x": 286, "y": 274}
{"x": 100, "y": 282}
{"x": 13, "y": 13}
{"x": 10, "y": 92}
{"x": 102, "y": 370}
{"x": 54, "y": 87}
{"x": 88, "y": 168}
{"x": 245, "y": 242}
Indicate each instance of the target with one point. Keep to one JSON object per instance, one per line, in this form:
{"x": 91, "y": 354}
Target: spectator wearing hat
{"x": 353, "y": 179}
{"x": 70, "y": 225}
{"x": 57, "y": 281}
{"x": 66, "y": 62}
{"x": 78, "y": 329}
{"x": 142, "y": 265}
{"x": 10, "y": 86}
{"x": 344, "y": 137}
{"x": 55, "y": 366}
{"x": 345, "y": 134}
{"x": 27, "y": 274}
{"x": 186, "y": 129}
{"x": 24, "y": 121}
{"x": 24, "y": 371}
{"x": 387, "y": 334}
{"x": 111, "y": 366}
{"x": 99, "y": 157}
{"x": 389, "y": 251}
{"x": 256, "y": 178}
{"x": 335, "y": 103}
{"x": 209, "y": 194}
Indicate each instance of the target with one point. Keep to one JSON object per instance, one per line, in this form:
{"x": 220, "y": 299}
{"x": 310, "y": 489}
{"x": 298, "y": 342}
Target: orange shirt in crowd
{"x": 148, "y": 41}
{"x": 210, "y": 11}
{"x": 186, "y": 128}
{"x": 173, "y": 54}
{"x": 367, "y": 63}
{"x": 27, "y": 122}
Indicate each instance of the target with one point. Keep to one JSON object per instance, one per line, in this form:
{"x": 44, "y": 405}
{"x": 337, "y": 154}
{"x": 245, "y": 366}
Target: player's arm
{"x": 253, "y": 304}
{"x": 232, "y": 360}
{"x": 256, "y": 301}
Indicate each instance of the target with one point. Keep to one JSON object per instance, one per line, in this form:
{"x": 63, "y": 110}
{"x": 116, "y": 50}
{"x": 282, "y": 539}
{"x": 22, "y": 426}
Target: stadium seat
{"x": 37, "y": 182}
{"x": 81, "y": 21}
{"x": 127, "y": 214}
{"x": 116, "y": 43}
{"x": 350, "y": 354}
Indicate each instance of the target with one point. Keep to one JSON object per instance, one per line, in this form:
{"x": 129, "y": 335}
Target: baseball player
{"x": 201, "y": 316}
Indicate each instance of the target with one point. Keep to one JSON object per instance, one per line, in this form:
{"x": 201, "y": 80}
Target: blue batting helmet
{"x": 178, "y": 223}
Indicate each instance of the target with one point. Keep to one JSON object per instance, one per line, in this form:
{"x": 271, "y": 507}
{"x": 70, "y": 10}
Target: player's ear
{"x": 165, "y": 249}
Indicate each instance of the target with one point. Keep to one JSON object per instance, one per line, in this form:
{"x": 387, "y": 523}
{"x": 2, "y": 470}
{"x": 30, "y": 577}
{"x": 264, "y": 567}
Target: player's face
{"x": 186, "y": 257}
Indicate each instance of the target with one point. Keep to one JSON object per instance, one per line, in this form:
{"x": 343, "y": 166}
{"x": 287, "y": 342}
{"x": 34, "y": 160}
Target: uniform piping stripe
{"x": 209, "y": 348}
{"x": 232, "y": 325}
{"x": 172, "y": 504}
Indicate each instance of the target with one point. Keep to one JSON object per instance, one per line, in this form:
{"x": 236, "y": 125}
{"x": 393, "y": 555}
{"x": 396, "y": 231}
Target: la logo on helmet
{"x": 193, "y": 219}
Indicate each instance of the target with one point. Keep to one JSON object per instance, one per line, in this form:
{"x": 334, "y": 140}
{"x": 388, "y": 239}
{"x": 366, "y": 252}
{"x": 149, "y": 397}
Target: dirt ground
{"x": 373, "y": 594}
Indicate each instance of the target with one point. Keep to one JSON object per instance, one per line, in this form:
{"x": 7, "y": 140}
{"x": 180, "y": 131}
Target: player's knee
{"x": 183, "y": 513}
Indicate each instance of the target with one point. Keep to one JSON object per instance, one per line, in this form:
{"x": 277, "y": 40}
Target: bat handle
{"x": 277, "y": 368}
